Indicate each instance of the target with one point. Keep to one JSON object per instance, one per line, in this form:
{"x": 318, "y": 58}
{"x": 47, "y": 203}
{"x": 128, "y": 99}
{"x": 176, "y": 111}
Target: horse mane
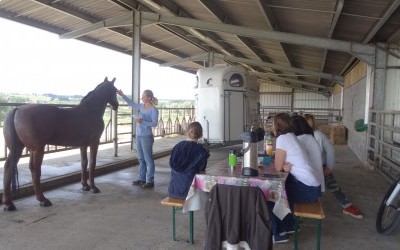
{"x": 86, "y": 96}
{"x": 99, "y": 96}
{"x": 91, "y": 93}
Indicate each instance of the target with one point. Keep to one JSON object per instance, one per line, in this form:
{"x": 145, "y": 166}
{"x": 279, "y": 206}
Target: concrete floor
{"x": 123, "y": 216}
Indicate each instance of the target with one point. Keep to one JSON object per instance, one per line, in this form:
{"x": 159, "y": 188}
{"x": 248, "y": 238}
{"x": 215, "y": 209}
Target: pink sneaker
{"x": 353, "y": 211}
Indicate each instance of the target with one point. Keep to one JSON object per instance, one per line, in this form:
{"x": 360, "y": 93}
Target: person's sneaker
{"x": 278, "y": 239}
{"x": 138, "y": 183}
{"x": 291, "y": 231}
{"x": 148, "y": 185}
{"x": 353, "y": 211}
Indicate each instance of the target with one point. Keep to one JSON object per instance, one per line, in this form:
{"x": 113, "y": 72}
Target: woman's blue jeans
{"x": 296, "y": 192}
{"x": 332, "y": 186}
{"x": 144, "y": 146}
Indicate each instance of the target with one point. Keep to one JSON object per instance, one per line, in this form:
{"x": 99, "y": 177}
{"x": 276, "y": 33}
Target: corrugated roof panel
{"x": 167, "y": 43}
{"x": 247, "y": 13}
{"x": 273, "y": 50}
{"x": 305, "y": 57}
{"x": 197, "y": 10}
{"x": 301, "y": 16}
{"x": 336, "y": 61}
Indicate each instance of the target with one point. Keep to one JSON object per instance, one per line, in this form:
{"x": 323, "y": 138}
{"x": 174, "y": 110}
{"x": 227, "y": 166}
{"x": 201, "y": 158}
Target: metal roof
{"x": 304, "y": 44}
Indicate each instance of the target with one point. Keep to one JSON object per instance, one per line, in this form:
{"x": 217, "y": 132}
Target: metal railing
{"x": 118, "y": 126}
{"x": 322, "y": 115}
{"x": 383, "y": 137}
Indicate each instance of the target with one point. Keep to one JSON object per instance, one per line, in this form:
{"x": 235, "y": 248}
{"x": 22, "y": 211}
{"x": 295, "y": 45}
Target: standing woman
{"x": 146, "y": 119}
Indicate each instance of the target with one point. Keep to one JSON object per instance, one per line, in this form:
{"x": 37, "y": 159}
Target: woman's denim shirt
{"x": 150, "y": 117}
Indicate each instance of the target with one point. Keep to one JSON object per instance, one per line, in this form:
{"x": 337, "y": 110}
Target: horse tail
{"x": 13, "y": 161}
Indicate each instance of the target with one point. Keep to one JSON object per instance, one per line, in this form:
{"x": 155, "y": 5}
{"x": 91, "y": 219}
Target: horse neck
{"x": 95, "y": 106}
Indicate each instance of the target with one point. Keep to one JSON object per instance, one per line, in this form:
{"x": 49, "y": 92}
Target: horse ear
{"x": 106, "y": 79}
{"x": 113, "y": 80}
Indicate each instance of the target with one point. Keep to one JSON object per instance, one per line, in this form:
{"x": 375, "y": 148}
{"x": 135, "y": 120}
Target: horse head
{"x": 113, "y": 94}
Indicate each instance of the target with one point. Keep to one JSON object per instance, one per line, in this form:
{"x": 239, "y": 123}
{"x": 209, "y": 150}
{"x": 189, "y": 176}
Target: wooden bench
{"x": 177, "y": 204}
{"x": 311, "y": 211}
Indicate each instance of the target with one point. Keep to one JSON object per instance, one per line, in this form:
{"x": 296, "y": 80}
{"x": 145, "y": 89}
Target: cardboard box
{"x": 337, "y": 133}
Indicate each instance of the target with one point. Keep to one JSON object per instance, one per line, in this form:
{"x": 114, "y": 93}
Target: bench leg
{"x": 173, "y": 223}
{"x": 191, "y": 231}
{"x": 191, "y": 227}
{"x": 318, "y": 234}
{"x": 296, "y": 236}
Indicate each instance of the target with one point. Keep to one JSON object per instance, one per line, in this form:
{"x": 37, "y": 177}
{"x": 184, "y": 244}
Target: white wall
{"x": 392, "y": 89}
{"x": 353, "y": 109}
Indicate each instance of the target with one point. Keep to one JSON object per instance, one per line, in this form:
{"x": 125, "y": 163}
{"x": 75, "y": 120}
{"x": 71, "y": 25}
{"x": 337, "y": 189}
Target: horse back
{"x": 40, "y": 124}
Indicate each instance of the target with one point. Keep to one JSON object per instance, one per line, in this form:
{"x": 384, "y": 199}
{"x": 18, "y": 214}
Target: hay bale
{"x": 337, "y": 133}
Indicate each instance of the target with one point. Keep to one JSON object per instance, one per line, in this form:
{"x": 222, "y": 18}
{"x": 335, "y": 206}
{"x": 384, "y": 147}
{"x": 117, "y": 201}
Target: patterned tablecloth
{"x": 269, "y": 181}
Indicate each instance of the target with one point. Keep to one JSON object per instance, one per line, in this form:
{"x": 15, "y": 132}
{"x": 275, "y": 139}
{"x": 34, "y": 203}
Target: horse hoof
{"x": 95, "y": 190}
{"x": 45, "y": 203}
{"x": 85, "y": 188}
{"x": 10, "y": 208}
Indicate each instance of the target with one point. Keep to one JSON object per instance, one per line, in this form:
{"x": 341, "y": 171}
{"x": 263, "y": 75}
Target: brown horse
{"x": 35, "y": 125}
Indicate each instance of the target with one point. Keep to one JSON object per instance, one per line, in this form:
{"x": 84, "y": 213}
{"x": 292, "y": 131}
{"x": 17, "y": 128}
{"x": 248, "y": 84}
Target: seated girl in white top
{"x": 305, "y": 135}
{"x": 303, "y": 183}
{"x": 291, "y": 156}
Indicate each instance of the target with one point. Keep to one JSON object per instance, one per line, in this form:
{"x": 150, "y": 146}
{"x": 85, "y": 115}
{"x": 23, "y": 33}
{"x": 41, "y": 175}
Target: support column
{"x": 378, "y": 102}
{"x": 136, "y": 55}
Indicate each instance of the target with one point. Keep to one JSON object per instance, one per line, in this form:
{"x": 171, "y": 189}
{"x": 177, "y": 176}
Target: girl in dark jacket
{"x": 187, "y": 159}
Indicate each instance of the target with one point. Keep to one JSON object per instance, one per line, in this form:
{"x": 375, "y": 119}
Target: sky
{"x": 37, "y": 61}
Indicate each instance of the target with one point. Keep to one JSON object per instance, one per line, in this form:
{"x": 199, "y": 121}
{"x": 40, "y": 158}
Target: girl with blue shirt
{"x": 146, "y": 119}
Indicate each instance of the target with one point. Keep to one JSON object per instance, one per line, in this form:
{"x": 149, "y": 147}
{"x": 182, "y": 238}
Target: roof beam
{"x": 363, "y": 51}
{"x": 203, "y": 56}
{"x": 283, "y": 68}
{"x": 65, "y": 9}
{"x": 158, "y": 8}
{"x": 59, "y": 6}
{"x": 263, "y": 79}
{"x": 313, "y": 85}
{"x": 273, "y": 25}
{"x": 388, "y": 13}
{"x": 335, "y": 19}
{"x": 381, "y": 21}
{"x": 209, "y": 39}
{"x": 124, "y": 19}
{"x": 213, "y": 8}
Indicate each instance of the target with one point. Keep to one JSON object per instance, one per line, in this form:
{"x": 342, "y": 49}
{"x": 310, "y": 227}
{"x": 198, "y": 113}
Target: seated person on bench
{"x": 188, "y": 158}
{"x": 303, "y": 183}
{"x": 328, "y": 157}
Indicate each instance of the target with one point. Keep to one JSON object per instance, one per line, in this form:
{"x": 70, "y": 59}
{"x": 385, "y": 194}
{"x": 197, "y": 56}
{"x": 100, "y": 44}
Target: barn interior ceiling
{"x": 302, "y": 44}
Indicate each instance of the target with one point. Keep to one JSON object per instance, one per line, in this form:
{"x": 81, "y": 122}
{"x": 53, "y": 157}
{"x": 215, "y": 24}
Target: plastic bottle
{"x": 268, "y": 143}
{"x": 261, "y": 142}
{"x": 232, "y": 158}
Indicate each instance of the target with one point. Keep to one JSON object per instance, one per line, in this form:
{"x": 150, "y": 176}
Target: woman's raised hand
{"x": 119, "y": 92}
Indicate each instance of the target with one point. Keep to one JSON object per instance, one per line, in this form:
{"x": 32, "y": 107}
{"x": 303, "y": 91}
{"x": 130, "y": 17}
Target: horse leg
{"x": 35, "y": 164}
{"x": 92, "y": 166}
{"x": 10, "y": 164}
{"x": 84, "y": 163}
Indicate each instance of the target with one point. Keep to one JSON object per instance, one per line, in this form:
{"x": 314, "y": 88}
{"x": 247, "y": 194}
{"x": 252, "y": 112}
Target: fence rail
{"x": 383, "y": 139}
{"x": 118, "y": 126}
{"x": 322, "y": 115}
